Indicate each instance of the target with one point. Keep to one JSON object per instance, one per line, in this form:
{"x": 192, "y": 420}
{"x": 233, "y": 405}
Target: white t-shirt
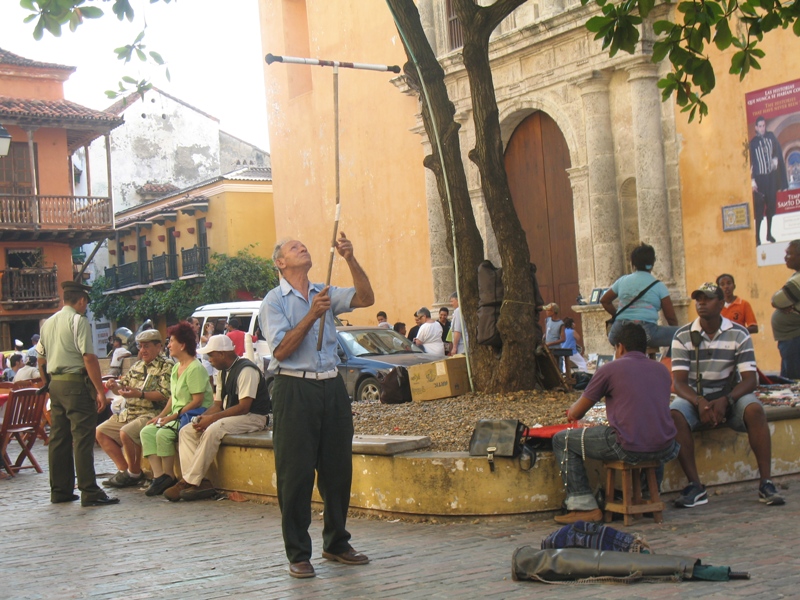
{"x": 458, "y": 326}
{"x": 430, "y": 334}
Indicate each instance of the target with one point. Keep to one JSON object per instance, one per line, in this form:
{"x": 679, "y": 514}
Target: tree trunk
{"x": 515, "y": 369}
{"x": 517, "y": 324}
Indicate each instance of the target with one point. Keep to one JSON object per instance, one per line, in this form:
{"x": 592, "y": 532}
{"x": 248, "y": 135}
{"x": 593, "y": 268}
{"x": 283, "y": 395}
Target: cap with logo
{"x": 709, "y": 290}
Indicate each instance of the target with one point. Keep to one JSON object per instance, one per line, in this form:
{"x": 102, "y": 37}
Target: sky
{"x": 212, "y": 48}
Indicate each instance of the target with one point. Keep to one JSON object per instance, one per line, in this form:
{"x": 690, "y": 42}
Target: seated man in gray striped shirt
{"x": 727, "y": 378}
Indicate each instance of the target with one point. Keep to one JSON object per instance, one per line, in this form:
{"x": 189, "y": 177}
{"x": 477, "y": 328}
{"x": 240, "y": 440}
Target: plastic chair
{"x": 21, "y": 423}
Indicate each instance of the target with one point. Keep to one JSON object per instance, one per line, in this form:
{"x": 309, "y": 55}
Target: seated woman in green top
{"x": 190, "y": 389}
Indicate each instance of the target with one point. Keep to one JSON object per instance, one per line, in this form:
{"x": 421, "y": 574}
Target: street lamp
{"x": 5, "y": 141}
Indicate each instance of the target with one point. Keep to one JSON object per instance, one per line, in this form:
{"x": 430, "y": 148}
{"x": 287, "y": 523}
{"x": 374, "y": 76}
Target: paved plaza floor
{"x": 151, "y": 548}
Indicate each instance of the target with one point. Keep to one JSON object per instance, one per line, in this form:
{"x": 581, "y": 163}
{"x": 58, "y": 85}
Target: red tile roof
{"x": 157, "y": 188}
{"x": 64, "y": 111}
{"x": 9, "y": 58}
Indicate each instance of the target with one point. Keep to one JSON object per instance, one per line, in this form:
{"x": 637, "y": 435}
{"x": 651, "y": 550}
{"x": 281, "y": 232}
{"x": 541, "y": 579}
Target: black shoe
{"x": 160, "y": 485}
{"x": 72, "y": 498}
{"x": 770, "y": 239}
{"x": 100, "y": 501}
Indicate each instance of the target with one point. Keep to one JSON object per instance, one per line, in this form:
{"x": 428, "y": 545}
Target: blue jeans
{"x": 600, "y": 443}
{"x": 658, "y": 336}
{"x": 790, "y": 358}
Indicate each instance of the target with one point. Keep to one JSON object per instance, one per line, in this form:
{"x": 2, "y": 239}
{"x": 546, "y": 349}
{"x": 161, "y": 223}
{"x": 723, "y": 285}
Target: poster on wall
{"x": 773, "y": 123}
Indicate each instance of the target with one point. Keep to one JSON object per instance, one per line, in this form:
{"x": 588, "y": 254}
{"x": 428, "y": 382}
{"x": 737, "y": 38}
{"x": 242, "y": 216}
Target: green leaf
{"x": 770, "y": 21}
{"x": 645, "y": 6}
{"x": 91, "y": 12}
{"x": 723, "y": 37}
{"x": 796, "y": 28}
{"x": 597, "y": 23}
{"x": 139, "y": 38}
{"x": 30, "y": 18}
{"x": 111, "y": 94}
{"x": 52, "y": 25}
{"x": 169, "y": 78}
{"x": 141, "y": 55}
{"x": 660, "y": 27}
{"x": 660, "y": 51}
{"x": 27, "y": 4}
{"x": 128, "y": 79}
{"x": 157, "y": 57}
{"x": 38, "y": 30}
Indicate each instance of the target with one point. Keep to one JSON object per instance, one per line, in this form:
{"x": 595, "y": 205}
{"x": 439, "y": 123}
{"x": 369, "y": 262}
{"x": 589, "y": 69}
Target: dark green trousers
{"x": 71, "y": 450}
{"x": 313, "y": 431}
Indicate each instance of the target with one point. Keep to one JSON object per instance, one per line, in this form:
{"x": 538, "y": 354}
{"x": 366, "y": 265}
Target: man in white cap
{"x": 146, "y": 390}
{"x": 241, "y": 405}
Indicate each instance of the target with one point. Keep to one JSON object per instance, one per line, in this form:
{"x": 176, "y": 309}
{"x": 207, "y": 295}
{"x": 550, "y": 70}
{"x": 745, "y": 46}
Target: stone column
{"x": 579, "y": 181}
{"x": 605, "y": 232}
{"x": 651, "y": 181}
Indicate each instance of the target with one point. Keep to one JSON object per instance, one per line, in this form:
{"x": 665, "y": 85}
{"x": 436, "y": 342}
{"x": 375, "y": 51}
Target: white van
{"x": 247, "y": 313}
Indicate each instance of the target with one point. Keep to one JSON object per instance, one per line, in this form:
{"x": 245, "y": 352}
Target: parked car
{"x": 368, "y": 353}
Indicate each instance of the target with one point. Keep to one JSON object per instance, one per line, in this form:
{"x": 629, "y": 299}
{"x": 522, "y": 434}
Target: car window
{"x": 376, "y": 342}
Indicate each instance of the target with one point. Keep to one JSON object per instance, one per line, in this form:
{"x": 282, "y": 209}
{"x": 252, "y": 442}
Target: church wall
{"x": 715, "y": 172}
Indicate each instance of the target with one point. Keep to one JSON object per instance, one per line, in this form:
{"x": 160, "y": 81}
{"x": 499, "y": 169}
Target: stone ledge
{"x": 379, "y": 445}
{"x": 456, "y": 484}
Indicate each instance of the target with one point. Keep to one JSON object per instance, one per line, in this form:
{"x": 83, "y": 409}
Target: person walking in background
{"x": 457, "y": 327}
{"x": 641, "y": 296}
{"x": 553, "y": 325}
{"x": 572, "y": 340}
{"x": 429, "y": 336}
{"x": 383, "y": 320}
{"x": 736, "y": 310}
{"x": 400, "y": 328}
{"x": 413, "y": 332}
{"x": 69, "y": 365}
{"x": 786, "y": 317}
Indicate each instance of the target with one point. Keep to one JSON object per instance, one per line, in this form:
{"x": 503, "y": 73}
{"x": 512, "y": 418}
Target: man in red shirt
{"x": 237, "y": 335}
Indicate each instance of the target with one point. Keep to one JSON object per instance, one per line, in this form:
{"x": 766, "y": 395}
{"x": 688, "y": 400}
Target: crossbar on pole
{"x": 318, "y": 62}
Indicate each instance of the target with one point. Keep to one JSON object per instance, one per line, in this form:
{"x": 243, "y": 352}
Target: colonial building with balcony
{"x": 41, "y": 219}
{"x": 174, "y": 237}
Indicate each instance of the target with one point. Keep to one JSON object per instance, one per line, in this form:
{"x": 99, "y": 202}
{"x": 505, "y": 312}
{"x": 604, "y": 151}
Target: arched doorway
{"x": 536, "y": 161}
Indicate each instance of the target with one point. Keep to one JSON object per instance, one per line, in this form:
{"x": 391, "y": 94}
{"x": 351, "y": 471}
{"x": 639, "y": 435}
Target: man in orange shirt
{"x": 736, "y": 310}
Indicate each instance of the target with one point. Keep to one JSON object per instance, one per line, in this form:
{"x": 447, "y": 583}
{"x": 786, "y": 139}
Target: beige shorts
{"x": 132, "y": 429}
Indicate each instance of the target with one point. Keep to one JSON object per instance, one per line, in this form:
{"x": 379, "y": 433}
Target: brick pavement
{"x": 145, "y": 548}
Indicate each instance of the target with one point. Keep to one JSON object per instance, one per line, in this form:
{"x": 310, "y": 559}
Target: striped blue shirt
{"x": 730, "y": 348}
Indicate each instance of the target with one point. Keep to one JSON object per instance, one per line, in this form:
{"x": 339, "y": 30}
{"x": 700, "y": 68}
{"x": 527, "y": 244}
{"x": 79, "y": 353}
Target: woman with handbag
{"x": 641, "y": 296}
{"x": 190, "y": 395}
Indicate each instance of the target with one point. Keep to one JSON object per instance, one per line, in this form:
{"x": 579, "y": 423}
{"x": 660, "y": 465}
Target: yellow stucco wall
{"x": 715, "y": 172}
{"x": 238, "y": 219}
{"x": 383, "y": 201}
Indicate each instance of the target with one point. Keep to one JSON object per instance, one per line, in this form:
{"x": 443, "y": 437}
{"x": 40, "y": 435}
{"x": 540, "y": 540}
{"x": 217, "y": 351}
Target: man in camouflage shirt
{"x": 145, "y": 388}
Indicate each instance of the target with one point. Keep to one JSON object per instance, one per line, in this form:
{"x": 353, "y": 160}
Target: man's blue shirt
{"x": 282, "y": 310}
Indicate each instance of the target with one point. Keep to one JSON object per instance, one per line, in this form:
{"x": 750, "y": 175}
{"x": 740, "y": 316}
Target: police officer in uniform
{"x": 70, "y": 367}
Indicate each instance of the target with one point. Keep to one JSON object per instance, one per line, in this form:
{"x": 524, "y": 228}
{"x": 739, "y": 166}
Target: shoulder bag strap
{"x": 639, "y": 295}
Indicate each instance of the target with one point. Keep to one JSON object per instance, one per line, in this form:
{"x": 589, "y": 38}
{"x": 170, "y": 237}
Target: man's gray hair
{"x": 277, "y": 252}
{"x": 424, "y": 312}
{"x": 454, "y": 295}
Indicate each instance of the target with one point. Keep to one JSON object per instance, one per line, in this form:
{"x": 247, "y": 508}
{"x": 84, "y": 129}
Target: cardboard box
{"x": 440, "y": 379}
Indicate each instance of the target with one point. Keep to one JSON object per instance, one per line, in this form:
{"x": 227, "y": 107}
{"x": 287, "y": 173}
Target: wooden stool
{"x": 632, "y": 502}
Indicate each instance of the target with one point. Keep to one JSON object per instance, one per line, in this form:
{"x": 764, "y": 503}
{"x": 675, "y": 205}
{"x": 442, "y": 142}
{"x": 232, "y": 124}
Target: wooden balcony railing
{"x": 194, "y": 260}
{"x": 29, "y": 286}
{"x": 165, "y": 267}
{"x": 128, "y": 275}
{"x": 55, "y": 212}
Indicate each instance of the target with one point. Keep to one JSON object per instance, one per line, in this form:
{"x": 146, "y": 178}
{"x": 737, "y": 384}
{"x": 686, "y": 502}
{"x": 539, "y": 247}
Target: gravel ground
{"x": 449, "y": 422}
